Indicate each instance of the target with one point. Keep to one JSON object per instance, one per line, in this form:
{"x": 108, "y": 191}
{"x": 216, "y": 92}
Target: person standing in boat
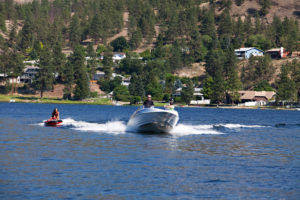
{"x": 148, "y": 103}
{"x": 55, "y": 114}
{"x": 170, "y": 106}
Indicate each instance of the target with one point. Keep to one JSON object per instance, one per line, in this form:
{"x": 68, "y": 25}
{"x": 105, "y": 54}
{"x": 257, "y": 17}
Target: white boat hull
{"x": 153, "y": 120}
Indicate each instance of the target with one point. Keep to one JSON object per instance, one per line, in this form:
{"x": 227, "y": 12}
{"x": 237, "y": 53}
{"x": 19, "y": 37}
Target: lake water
{"x": 211, "y": 154}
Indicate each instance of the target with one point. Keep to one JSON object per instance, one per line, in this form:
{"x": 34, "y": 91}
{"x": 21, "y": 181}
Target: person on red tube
{"x": 55, "y": 114}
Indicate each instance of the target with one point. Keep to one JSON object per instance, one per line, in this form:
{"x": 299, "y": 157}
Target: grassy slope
{"x": 32, "y": 99}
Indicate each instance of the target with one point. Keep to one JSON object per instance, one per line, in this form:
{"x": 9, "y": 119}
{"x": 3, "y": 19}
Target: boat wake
{"x": 213, "y": 129}
{"x": 187, "y": 129}
{"x": 115, "y": 127}
{"x": 120, "y": 127}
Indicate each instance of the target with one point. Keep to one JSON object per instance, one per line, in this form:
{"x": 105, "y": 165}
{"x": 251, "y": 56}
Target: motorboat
{"x": 52, "y": 122}
{"x": 153, "y": 120}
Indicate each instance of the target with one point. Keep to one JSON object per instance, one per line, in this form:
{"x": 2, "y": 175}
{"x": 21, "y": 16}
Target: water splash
{"x": 185, "y": 129}
{"x": 115, "y": 127}
{"x": 119, "y": 127}
{"x": 237, "y": 126}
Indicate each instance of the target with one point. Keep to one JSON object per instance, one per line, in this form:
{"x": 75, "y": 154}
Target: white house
{"x": 126, "y": 81}
{"x": 31, "y": 62}
{"x": 200, "y": 97}
{"x": 29, "y": 74}
{"x": 246, "y": 53}
{"x": 118, "y": 56}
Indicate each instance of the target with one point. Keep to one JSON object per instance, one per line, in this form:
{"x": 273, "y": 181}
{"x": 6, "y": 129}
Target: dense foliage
{"x": 187, "y": 34}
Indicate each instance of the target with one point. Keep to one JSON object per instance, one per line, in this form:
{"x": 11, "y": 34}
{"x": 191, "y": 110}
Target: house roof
{"x": 274, "y": 49}
{"x": 30, "y": 68}
{"x": 247, "y": 49}
{"x": 245, "y": 95}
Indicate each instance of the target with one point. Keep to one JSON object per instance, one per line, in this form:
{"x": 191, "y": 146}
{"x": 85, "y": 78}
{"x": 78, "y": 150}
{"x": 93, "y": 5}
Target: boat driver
{"x": 148, "y": 103}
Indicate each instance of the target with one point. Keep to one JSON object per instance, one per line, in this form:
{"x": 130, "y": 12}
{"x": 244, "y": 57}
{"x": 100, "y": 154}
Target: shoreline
{"x": 105, "y": 101}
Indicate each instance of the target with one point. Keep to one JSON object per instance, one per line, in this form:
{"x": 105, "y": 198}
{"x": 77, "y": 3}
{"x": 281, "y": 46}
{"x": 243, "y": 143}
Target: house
{"x": 278, "y": 53}
{"x": 4, "y": 77}
{"x": 98, "y": 75}
{"x": 177, "y": 92}
{"x": 126, "y": 81}
{"x": 199, "y": 97}
{"x": 29, "y": 74}
{"x": 256, "y": 98}
{"x": 246, "y": 53}
{"x": 118, "y": 56}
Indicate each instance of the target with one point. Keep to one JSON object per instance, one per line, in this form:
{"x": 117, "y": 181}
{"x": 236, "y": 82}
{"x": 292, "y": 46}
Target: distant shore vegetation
{"x": 69, "y": 41}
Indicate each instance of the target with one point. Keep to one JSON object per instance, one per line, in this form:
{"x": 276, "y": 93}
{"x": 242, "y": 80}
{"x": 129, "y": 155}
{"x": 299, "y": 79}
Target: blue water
{"x": 211, "y": 154}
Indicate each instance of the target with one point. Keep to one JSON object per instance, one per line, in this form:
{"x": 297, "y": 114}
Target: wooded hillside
{"x": 169, "y": 35}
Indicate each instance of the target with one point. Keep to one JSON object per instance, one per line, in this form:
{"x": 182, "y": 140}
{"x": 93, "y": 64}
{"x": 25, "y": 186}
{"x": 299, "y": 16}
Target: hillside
{"x": 192, "y": 39}
{"x": 280, "y": 8}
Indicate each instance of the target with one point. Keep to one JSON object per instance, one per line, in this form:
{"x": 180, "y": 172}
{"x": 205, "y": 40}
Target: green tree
{"x": 239, "y": 34}
{"x": 136, "y": 39}
{"x": 263, "y": 86}
{"x": 265, "y": 6}
{"x": 120, "y": 44}
{"x": 295, "y": 69}
{"x": 208, "y": 24}
{"x": 2, "y": 17}
{"x": 232, "y": 81}
{"x": 74, "y": 32}
{"x": 80, "y": 73}
{"x": 197, "y": 49}
{"x": 59, "y": 61}
{"x": 68, "y": 77}
{"x": 26, "y": 34}
{"x": 187, "y": 92}
{"x": 45, "y": 77}
{"x": 257, "y": 70}
{"x": 121, "y": 93}
{"x": 239, "y": 2}
{"x": 225, "y": 24}
{"x": 136, "y": 86}
{"x": 95, "y": 29}
{"x": 286, "y": 88}
{"x": 218, "y": 87}
{"x": 208, "y": 87}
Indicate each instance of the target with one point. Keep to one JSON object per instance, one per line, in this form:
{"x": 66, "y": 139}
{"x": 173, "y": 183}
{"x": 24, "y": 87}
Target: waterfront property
{"x": 246, "y": 53}
{"x": 256, "y": 98}
{"x": 29, "y": 73}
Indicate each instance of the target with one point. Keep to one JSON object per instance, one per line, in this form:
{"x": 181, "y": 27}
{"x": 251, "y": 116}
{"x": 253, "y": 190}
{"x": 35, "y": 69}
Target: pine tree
{"x": 295, "y": 69}
{"x": 238, "y": 34}
{"x": 82, "y": 81}
{"x": 187, "y": 92}
{"x": 2, "y": 17}
{"x": 265, "y": 6}
{"x": 59, "y": 60}
{"x": 218, "y": 87}
{"x": 232, "y": 81}
{"x": 74, "y": 33}
{"x": 286, "y": 88}
{"x": 208, "y": 24}
{"x": 45, "y": 76}
{"x": 68, "y": 77}
{"x": 197, "y": 49}
{"x": 225, "y": 24}
{"x": 208, "y": 87}
{"x": 136, "y": 39}
{"x": 136, "y": 86}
